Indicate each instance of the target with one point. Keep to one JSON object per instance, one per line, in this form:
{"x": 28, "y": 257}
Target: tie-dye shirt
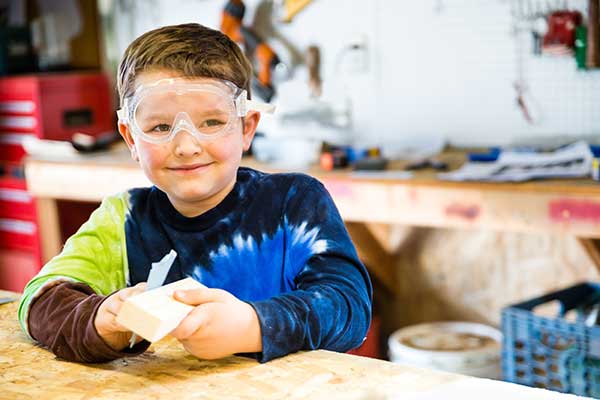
{"x": 276, "y": 241}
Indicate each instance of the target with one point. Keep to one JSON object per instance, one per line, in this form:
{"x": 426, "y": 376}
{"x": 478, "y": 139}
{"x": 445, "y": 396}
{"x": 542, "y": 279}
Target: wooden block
{"x": 155, "y": 313}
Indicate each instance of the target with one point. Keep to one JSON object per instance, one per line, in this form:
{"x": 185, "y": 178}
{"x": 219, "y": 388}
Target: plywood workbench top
{"x": 167, "y": 371}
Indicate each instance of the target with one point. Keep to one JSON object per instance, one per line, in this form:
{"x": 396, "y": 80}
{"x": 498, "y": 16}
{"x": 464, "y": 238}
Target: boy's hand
{"x": 219, "y": 326}
{"x": 114, "y": 334}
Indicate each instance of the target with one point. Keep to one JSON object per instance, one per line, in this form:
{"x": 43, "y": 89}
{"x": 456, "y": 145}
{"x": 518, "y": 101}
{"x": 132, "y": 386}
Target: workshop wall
{"x": 430, "y": 68}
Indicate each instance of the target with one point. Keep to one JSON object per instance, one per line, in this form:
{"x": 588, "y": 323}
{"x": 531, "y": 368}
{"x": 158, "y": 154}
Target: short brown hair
{"x": 191, "y": 49}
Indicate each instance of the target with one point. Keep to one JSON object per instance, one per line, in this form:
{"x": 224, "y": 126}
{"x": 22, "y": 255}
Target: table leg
{"x": 592, "y": 248}
{"x": 48, "y": 228}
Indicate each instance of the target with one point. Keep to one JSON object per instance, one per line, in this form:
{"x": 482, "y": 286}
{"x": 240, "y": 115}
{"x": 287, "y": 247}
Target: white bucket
{"x": 460, "y": 347}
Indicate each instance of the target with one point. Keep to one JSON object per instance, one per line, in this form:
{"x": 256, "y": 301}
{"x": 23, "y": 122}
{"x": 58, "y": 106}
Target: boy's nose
{"x": 186, "y": 144}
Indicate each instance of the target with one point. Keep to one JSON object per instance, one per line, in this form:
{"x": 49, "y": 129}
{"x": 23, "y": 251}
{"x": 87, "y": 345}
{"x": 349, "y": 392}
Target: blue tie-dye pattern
{"x": 265, "y": 270}
{"x": 246, "y": 269}
{"x": 302, "y": 245}
{"x": 277, "y": 242}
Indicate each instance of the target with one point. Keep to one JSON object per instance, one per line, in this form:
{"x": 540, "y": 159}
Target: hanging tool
{"x": 520, "y": 85}
{"x": 593, "y": 38}
{"x": 560, "y": 36}
{"x": 256, "y": 48}
{"x": 528, "y": 106}
{"x": 313, "y": 62}
{"x": 289, "y": 8}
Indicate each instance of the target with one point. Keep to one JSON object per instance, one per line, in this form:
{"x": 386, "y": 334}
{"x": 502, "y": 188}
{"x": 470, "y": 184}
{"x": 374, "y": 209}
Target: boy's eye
{"x": 161, "y": 128}
{"x": 213, "y": 123}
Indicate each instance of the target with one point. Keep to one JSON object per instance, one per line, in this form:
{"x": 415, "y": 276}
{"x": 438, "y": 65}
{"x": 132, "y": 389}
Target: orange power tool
{"x": 256, "y": 48}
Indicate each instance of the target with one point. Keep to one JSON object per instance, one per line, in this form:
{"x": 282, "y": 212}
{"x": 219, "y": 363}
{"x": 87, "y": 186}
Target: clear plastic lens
{"x": 158, "y": 114}
{"x": 207, "y": 109}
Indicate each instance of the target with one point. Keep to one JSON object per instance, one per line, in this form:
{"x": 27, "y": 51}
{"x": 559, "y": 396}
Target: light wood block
{"x": 155, "y": 313}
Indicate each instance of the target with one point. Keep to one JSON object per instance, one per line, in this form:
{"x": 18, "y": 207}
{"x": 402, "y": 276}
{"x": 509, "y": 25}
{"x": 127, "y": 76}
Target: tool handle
{"x": 231, "y": 19}
{"x": 313, "y": 62}
{"x": 593, "y": 36}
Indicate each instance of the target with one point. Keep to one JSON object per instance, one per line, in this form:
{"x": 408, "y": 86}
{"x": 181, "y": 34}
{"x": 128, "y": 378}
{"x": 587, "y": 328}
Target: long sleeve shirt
{"x": 276, "y": 241}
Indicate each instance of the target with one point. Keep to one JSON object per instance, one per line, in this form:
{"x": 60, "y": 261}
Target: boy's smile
{"x": 191, "y": 168}
{"x": 195, "y": 174}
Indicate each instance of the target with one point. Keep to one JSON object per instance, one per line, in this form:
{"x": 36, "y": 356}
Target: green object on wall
{"x": 580, "y": 46}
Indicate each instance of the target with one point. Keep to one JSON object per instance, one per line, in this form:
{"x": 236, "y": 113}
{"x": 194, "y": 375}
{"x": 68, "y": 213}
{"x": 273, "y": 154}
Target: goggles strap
{"x": 243, "y": 104}
{"x": 258, "y": 106}
{"x": 122, "y": 112}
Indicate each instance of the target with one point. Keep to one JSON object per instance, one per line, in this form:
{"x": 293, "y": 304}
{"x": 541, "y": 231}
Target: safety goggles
{"x": 206, "y": 109}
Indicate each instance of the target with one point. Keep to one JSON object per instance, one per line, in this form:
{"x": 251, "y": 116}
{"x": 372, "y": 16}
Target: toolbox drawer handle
{"x": 78, "y": 117}
{"x": 18, "y": 122}
{"x": 16, "y": 195}
{"x": 17, "y": 226}
{"x": 17, "y": 106}
{"x": 15, "y": 139}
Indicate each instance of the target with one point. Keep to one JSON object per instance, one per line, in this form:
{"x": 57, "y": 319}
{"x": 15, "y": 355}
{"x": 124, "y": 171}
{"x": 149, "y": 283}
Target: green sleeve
{"x": 96, "y": 255}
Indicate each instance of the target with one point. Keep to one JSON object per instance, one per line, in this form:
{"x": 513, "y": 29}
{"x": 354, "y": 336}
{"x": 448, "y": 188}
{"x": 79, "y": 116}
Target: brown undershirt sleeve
{"x": 62, "y": 319}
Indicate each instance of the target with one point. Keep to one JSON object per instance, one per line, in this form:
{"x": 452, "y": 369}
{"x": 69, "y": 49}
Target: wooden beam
{"x": 379, "y": 262}
{"x": 48, "y": 228}
{"x": 83, "y": 181}
{"x": 559, "y": 206}
{"x": 390, "y": 236}
{"x": 591, "y": 247}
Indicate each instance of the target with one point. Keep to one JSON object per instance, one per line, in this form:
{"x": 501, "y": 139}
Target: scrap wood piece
{"x": 155, "y": 313}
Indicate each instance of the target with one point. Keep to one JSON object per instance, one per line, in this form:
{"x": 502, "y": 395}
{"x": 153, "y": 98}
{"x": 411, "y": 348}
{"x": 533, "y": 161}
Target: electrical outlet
{"x": 356, "y": 56}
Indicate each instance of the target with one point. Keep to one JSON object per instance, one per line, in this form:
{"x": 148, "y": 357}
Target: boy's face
{"x": 196, "y": 175}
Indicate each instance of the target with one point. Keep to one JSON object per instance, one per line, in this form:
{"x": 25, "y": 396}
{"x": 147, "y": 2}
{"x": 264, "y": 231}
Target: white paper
{"x": 572, "y": 161}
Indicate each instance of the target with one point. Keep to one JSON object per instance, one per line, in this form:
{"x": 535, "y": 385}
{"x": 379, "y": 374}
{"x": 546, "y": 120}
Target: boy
{"x": 281, "y": 272}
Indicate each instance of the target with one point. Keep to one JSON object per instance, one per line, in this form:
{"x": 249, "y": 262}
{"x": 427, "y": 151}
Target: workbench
{"x": 28, "y": 371}
{"x": 377, "y": 209}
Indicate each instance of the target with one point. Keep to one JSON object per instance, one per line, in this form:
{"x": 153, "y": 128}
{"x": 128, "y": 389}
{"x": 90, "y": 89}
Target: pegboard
{"x": 457, "y": 78}
{"x": 570, "y": 98}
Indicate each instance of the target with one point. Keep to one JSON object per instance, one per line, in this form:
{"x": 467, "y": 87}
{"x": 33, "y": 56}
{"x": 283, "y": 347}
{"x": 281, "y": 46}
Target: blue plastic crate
{"x": 552, "y": 353}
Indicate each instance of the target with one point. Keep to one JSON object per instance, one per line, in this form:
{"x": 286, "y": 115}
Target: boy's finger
{"x": 113, "y": 307}
{"x": 190, "y": 324}
{"x": 116, "y": 327}
{"x": 128, "y": 292}
{"x": 195, "y": 297}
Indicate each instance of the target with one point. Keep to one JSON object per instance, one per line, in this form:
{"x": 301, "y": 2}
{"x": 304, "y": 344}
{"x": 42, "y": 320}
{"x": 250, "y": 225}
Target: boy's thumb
{"x": 194, "y": 297}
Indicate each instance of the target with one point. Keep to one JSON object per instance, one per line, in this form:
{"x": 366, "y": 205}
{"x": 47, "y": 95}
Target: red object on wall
{"x": 50, "y": 106}
{"x": 561, "y": 28}
{"x": 370, "y": 347}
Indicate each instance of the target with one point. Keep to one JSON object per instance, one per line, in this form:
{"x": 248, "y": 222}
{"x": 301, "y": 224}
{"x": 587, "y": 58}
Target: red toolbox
{"x": 11, "y": 145}
{"x": 19, "y": 234}
{"x": 17, "y": 267}
{"x": 50, "y": 106}
{"x": 16, "y": 202}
